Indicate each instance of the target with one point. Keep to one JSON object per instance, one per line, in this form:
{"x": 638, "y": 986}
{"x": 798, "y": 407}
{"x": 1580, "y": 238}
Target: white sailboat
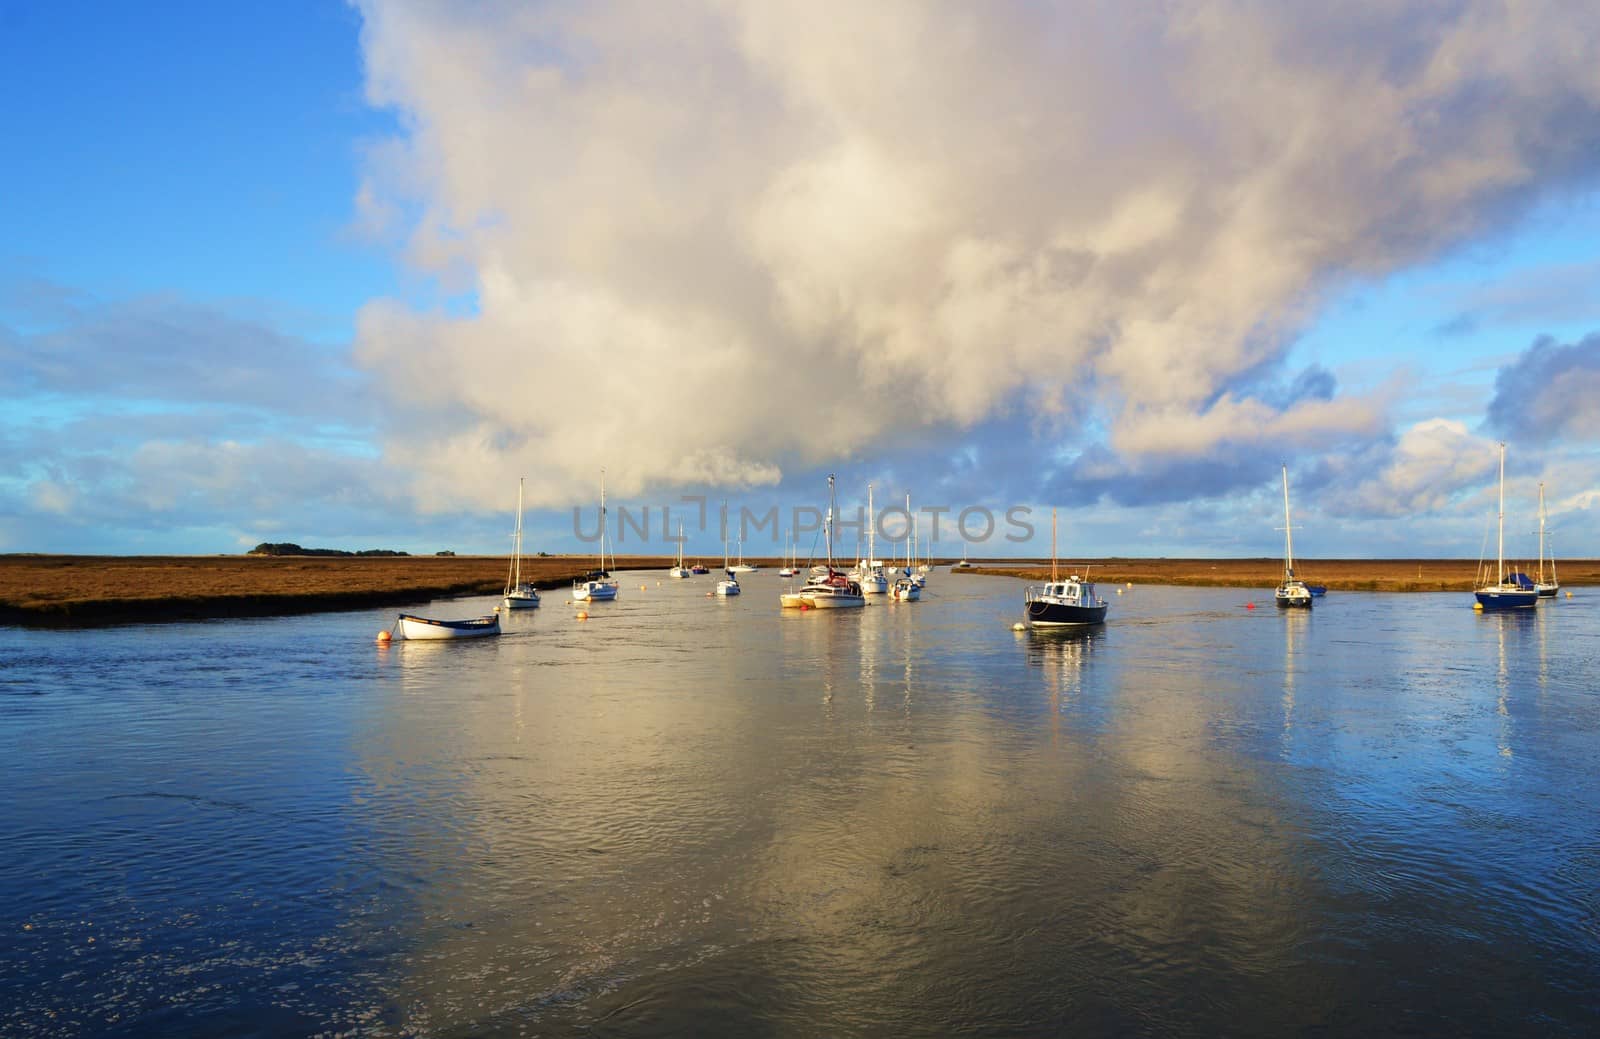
{"x": 918, "y": 575}
{"x": 598, "y": 586}
{"x": 1547, "y": 589}
{"x": 731, "y": 585}
{"x": 790, "y": 563}
{"x": 908, "y": 587}
{"x": 741, "y": 567}
{"x": 1291, "y": 593}
{"x": 827, "y": 589}
{"x": 963, "y": 565}
{"x": 874, "y": 581}
{"x": 1506, "y": 593}
{"x": 680, "y": 570}
{"x": 519, "y": 594}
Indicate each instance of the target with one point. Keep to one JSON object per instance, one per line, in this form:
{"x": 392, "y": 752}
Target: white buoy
{"x": 1019, "y": 626}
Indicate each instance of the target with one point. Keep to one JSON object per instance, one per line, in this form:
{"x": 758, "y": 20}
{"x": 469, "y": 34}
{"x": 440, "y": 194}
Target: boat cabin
{"x": 1073, "y": 590}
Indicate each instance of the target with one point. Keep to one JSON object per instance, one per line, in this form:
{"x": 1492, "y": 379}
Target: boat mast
{"x": 1053, "y": 577}
{"x": 516, "y": 552}
{"x": 1500, "y": 539}
{"x": 1541, "y": 532}
{"x": 1288, "y": 531}
{"x": 911, "y": 533}
{"x": 602, "y": 521}
{"x": 680, "y": 544}
{"x": 872, "y": 530}
{"x": 827, "y": 530}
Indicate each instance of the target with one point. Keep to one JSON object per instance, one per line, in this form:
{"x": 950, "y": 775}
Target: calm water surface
{"x": 692, "y": 816}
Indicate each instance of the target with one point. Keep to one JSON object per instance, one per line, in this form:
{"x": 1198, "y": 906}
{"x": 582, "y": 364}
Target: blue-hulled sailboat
{"x": 1509, "y": 591}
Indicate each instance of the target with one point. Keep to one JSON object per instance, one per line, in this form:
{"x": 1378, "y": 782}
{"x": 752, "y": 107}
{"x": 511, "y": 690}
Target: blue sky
{"x": 341, "y": 274}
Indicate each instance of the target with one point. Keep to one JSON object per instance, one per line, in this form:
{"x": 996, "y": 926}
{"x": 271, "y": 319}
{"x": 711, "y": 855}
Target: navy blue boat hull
{"x": 1054, "y": 614}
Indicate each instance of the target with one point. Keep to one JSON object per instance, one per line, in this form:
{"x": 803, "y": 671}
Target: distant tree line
{"x": 289, "y": 548}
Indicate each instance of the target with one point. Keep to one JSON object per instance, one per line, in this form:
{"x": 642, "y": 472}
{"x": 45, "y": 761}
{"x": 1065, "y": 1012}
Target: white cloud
{"x": 1431, "y": 464}
{"x": 708, "y": 240}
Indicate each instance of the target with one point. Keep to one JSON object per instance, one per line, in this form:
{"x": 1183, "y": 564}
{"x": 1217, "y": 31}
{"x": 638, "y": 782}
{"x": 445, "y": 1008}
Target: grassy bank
{"x": 1349, "y": 575}
{"x": 81, "y": 591}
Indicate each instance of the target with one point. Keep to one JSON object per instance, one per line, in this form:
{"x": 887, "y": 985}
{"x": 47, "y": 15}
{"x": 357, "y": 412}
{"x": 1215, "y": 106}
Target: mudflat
{"x": 87, "y": 591}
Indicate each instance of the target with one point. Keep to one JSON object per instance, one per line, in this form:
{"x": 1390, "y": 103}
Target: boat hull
{"x": 594, "y": 591}
{"x": 1062, "y": 615}
{"x": 519, "y": 601}
{"x": 727, "y": 588}
{"x": 1498, "y": 599}
{"x": 832, "y": 602}
{"x": 426, "y": 629}
{"x": 1548, "y": 591}
{"x": 678, "y": 571}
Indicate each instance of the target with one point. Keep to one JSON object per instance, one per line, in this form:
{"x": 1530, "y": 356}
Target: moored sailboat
{"x": 731, "y": 585}
{"x": 519, "y": 594}
{"x": 680, "y": 570}
{"x": 827, "y": 588}
{"x": 1509, "y": 591}
{"x": 598, "y": 585}
{"x": 869, "y": 572}
{"x": 1547, "y": 589}
{"x": 1291, "y": 593}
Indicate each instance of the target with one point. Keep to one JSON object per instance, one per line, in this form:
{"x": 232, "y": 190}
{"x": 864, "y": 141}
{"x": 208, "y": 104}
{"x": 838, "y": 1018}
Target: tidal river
{"x": 688, "y": 816}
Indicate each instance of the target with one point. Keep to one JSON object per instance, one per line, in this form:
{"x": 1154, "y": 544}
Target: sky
{"x": 342, "y": 274}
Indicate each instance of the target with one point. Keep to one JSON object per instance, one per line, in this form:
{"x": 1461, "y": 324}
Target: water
{"x": 694, "y": 816}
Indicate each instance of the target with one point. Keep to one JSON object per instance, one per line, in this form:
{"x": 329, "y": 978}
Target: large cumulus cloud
{"x": 1551, "y": 390}
{"x": 706, "y": 240}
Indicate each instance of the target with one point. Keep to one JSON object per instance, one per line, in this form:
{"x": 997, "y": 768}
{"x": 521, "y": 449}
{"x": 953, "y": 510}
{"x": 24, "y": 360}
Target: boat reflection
{"x": 1296, "y": 623}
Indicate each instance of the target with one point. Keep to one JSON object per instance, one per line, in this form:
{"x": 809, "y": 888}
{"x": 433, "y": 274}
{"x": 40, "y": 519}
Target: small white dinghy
{"x": 424, "y": 628}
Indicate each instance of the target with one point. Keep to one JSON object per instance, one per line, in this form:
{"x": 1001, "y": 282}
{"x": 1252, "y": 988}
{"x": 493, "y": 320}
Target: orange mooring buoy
{"x": 383, "y": 637}
{"x": 583, "y": 615}
{"x": 1249, "y": 605}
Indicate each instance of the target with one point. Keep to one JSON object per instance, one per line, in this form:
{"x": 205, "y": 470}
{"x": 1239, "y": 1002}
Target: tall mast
{"x": 680, "y": 544}
{"x": 827, "y": 530}
{"x": 1500, "y": 540}
{"x": 724, "y": 537}
{"x": 872, "y": 530}
{"x": 516, "y": 556}
{"x": 911, "y": 533}
{"x": 1288, "y": 530}
{"x": 1053, "y": 577}
{"x": 602, "y": 520}
{"x": 1541, "y": 532}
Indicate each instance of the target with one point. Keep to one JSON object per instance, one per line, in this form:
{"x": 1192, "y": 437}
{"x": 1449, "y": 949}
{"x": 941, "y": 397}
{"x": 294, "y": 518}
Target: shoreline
{"x": 1337, "y": 575}
{"x": 45, "y": 591}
